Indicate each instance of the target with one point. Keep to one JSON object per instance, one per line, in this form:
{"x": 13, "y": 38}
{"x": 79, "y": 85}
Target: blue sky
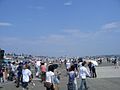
{"x": 60, "y": 27}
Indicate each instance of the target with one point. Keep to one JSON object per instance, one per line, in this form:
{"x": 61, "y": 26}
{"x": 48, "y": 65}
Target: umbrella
{"x": 94, "y": 62}
{"x": 54, "y": 66}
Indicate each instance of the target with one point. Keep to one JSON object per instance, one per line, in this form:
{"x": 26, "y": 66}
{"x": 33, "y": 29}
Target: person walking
{"x": 26, "y": 77}
{"x": 94, "y": 75}
{"x": 117, "y": 63}
{"x": 83, "y": 74}
{"x": 1, "y": 75}
{"x": 68, "y": 64}
{"x": 90, "y": 67}
{"x": 72, "y": 82}
{"x": 37, "y": 66}
{"x": 49, "y": 82}
{"x": 57, "y": 79}
{"x": 19, "y": 74}
{"x": 43, "y": 72}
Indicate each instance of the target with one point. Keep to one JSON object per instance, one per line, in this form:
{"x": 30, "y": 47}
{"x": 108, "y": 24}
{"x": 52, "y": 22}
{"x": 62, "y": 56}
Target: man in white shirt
{"x": 83, "y": 74}
{"x": 38, "y": 63}
{"x": 68, "y": 65}
{"x": 26, "y": 76}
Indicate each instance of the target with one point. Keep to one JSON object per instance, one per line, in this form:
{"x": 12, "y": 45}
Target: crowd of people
{"x": 79, "y": 70}
{"x": 23, "y": 72}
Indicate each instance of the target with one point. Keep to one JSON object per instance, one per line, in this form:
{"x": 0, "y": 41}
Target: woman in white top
{"x": 26, "y": 76}
{"x": 50, "y": 77}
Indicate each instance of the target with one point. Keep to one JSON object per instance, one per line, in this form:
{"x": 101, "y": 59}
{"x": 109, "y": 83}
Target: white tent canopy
{"x": 94, "y": 62}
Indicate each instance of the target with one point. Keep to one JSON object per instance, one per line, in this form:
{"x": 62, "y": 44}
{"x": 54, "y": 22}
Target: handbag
{"x": 47, "y": 84}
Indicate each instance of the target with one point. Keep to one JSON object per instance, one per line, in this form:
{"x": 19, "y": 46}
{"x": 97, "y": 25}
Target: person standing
{"x": 26, "y": 76}
{"x": 19, "y": 74}
{"x": 50, "y": 78}
{"x": 68, "y": 65}
{"x": 83, "y": 74}
{"x": 90, "y": 67}
{"x": 72, "y": 82}
{"x": 1, "y": 75}
{"x": 57, "y": 79}
{"x": 43, "y": 72}
{"x": 117, "y": 63}
{"x": 37, "y": 66}
{"x": 13, "y": 69}
{"x": 94, "y": 75}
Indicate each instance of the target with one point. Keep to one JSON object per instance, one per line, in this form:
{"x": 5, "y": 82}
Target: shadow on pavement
{"x": 1, "y": 87}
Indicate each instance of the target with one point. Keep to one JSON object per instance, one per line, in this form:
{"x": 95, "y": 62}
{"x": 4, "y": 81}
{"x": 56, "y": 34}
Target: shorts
{"x": 24, "y": 84}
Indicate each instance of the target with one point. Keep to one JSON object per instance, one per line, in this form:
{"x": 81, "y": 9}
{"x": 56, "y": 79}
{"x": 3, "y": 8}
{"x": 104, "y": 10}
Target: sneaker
{"x": 17, "y": 86}
{"x": 86, "y": 88}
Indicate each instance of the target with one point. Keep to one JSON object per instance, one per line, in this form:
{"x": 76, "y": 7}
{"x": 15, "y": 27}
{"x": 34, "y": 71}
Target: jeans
{"x": 83, "y": 82}
{"x": 75, "y": 81}
{"x": 18, "y": 81}
{"x": 71, "y": 86}
{"x": 1, "y": 79}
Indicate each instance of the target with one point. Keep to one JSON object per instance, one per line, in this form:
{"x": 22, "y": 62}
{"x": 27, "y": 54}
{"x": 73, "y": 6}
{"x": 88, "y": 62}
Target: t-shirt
{"x": 71, "y": 76}
{"x": 26, "y": 74}
{"x": 84, "y": 72}
{"x": 13, "y": 67}
{"x": 68, "y": 65}
{"x": 43, "y": 68}
{"x": 38, "y": 63}
{"x": 49, "y": 76}
{"x": 72, "y": 81}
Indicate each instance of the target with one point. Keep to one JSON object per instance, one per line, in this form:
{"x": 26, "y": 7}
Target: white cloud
{"x": 110, "y": 26}
{"x": 69, "y": 41}
{"x": 68, "y": 3}
{"x": 67, "y": 38}
{"x": 5, "y": 24}
{"x": 71, "y": 31}
{"x": 37, "y": 7}
{"x": 10, "y": 40}
{"x": 52, "y": 39}
{"x": 77, "y": 33}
